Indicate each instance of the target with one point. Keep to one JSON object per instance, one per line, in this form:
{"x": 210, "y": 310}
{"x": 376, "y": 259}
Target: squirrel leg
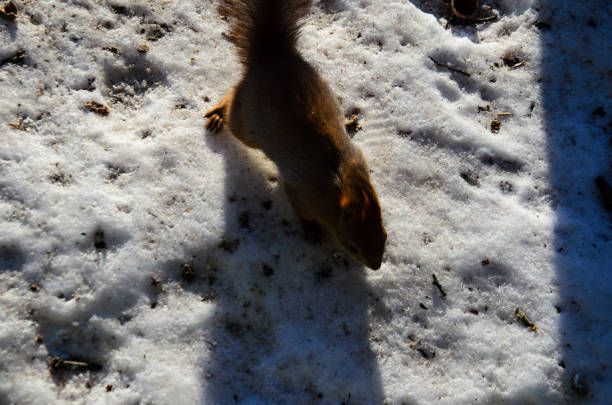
{"x": 311, "y": 229}
{"x": 219, "y": 114}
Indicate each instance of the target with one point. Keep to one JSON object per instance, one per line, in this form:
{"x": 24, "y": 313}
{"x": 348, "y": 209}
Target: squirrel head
{"x": 360, "y": 230}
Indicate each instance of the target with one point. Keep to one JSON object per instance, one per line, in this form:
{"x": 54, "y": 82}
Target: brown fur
{"x": 283, "y": 107}
{"x": 264, "y": 27}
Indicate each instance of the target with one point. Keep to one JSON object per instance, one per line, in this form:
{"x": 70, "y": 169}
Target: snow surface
{"x": 104, "y": 218}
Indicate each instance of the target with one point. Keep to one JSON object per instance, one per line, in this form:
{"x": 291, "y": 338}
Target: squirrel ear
{"x": 367, "y": 203}
{"x": 346, "y": 207}
{"x": 345, "y": 199}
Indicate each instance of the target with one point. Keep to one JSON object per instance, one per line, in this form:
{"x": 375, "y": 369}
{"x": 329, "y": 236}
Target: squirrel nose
{"x": 375, "y": 265}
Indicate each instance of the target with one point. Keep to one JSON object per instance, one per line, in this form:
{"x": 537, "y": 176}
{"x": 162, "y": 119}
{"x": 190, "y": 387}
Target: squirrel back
{"x": 264, "y": 29}
{"x": 285, "y": 108}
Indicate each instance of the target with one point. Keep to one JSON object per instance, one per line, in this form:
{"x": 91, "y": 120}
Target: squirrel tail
{"x": 264, "y": 29}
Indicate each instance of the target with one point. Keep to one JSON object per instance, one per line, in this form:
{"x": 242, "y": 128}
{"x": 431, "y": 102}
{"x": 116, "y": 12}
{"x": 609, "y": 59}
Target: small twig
{"x": 472, "y": 20}
{"x": 18, "y": 124}
{"x": 485, "y": 19}
{"x": 57, "y": 364}
{"x": 75, "y": 363}
{"x": 97, "y": 108}
{"x": 505, "y": 114}
{"x": 438, "y": 285}
{"x": 454, "y": 69}
{"x": 521, "y": 316}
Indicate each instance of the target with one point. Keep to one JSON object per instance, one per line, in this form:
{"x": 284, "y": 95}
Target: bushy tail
{"x": 263, "y": 29}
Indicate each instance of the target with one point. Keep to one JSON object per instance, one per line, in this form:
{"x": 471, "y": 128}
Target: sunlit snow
{"x": 146, "y": 261}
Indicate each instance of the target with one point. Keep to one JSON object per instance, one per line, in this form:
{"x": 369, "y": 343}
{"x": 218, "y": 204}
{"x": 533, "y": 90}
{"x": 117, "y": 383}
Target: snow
{"x": 168, "y": 261}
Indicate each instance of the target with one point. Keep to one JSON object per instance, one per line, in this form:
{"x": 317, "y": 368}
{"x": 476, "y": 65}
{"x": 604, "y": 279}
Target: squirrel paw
{"x": 313, "y": 233}
{"x": 215, "y": 119}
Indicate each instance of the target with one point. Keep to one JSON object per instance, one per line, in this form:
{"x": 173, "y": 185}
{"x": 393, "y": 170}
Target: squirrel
{"x": 285, "y": 108}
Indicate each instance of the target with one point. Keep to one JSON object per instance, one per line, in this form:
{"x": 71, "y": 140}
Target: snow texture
{"x": 146, "y": 261}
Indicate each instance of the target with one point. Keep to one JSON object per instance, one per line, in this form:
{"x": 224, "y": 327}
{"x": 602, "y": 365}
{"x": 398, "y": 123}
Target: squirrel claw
{"x": 215, "y": 118}
{"x": 214, "y": 123}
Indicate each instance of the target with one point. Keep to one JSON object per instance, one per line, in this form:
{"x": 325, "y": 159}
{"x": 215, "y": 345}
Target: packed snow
{"x": 144, "y": 260}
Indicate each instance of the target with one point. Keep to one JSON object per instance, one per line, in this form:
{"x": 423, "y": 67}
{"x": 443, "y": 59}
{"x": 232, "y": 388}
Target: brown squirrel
{"x": 283, "y": 107}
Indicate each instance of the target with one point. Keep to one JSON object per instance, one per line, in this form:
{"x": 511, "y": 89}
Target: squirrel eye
{"x": 352, "y": 248}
